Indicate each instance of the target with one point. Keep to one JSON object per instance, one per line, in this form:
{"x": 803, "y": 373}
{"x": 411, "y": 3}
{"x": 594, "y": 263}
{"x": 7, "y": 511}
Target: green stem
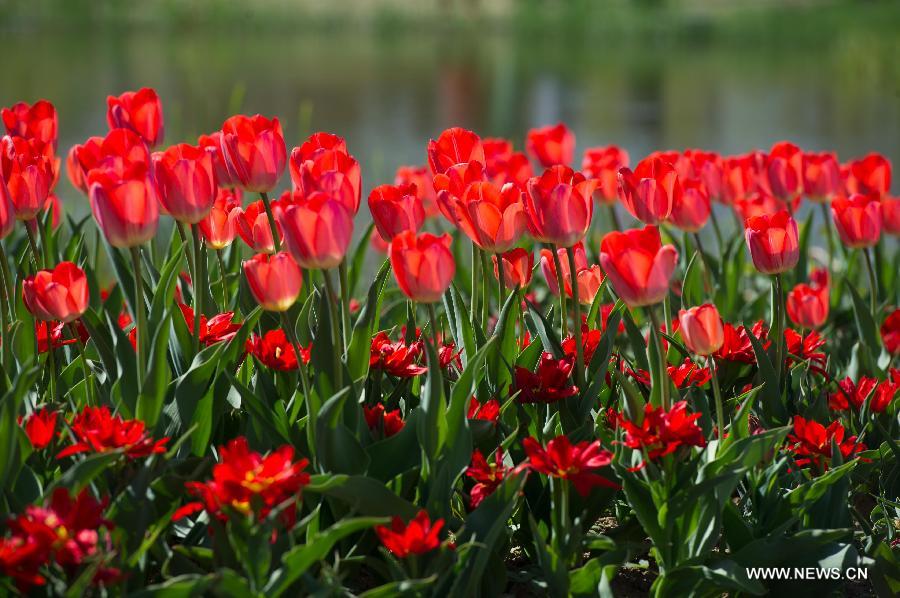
{"x": 51, "y": 363}
{"x": 716, "y": 229}
{"x": 829, "y": 235}
{"x": 717, "y": 393}
{"x": 778, "y": 327}
{"x": 664, "y": 372}
{"x": 485, "y": 290}
{"x": 140, "y": 315}
{"x": 345, "y": 302}
{"x": 335, "y": 334}
{"x": 312, "y": 405}
{"x": 45, "y": 245}
{"x": 222, "y": 279}
{"x": 432, "y": 318}
{"x": 199, "y": 284}
{"x": 501, "y": 278}
{"x": 579, "y": 363}
{"x": 32, "y": 243}
{"x": 560, "y": 283}
{"x": 9, "y": 283}
{"x": 187, "y": 252}
{"x": 873, "y": 284}
{"x": 707, "y": 273}
{"x": 85, "y": 372}
{"x": 614, "y": 217}
{"x": 473, "y": 297}
{"x": 276, "y": 240}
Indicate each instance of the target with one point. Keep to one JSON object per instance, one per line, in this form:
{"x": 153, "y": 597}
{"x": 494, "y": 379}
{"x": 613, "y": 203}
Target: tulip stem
{"x": 88, "y": 379}
{"x": 579, "y": 363}
{"x": 473, "y": 298}
{"x": 187, "y": 249}
{"x": 222, "y": 279}
{"x": 335, "y": 335}
{"x": 32, "y": 243}
{"x": 199, "y": 283}
{"x": 829, "y": 235}
{"x": 345, "y": 302}
{"x": 716, "y": 229}
{"x": 873, "y": 284}
{"x": 485, "y": 290}
{"x": 432, "y": 317}
{"x": 312, "y": 406}
{"x": 778, "y": 324}
{"x": 717, "y": 393}
{"x": 664, "y": 375}
{"x": 614, "y": 216}
{"x": 276, "y": 240}
{"x": 140, "y": 316}
{"x": 561, "y": 286}
{"x": 707, "y": 277}
{"x": 501, "y": 277}
{"x": 51, "y": 361}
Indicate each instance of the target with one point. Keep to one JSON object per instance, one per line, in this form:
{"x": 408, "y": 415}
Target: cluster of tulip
{"x": 475, "y": 423}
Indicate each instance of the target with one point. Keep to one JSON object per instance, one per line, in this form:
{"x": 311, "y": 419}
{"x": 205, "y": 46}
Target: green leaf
{"x": 364, "y": 495}
{"x": 364, "y": 328}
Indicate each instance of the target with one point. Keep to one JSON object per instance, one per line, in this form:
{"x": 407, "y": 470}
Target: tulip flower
{"x": 396, "y": 358}
{"x": 577, "y": 463}
{"x": 124, "y": 204}
{"x": 707, "y": 167}
{"x": 890, "y": 332}
{"x": 396, "y": 208}
{"x": 551, "y": 145}
{"x": 661, "y": 432}
{"x": 140, "y": 111}
{"x": 421, "y": 178}
{"x": 638, "y": 265}
{"x": 858, "y": 220}
{"x": 186, "y": 182}
{"x": 493, "y": 218}
{"x": 252, "y": 224}
{"x": 773, "y": 242}
{"x": 423, "y": 265}
{"x": 701, "y": 329}
{"x": 518, "y": 265}
{"x": 97, "y": 430}
{"x": 7, "y": 212}
{"x": 870, "y": 175}
{"x": 117, "y": 151}
{"x": 36, "y": 121}
{"x": 890, "y": 215}
{"x": 821, "y": 176}
{"x": 254, "y": 152}
{"x": 454, "y": 146}
{"x": 551, "y": 383}
{"x": 589, "y": 277}
{"x": 28, "y": 174}
{"x": 40, "y": 427}
{"x": 487, "y": 475}
{"x": 330, "y": 171}
{"x": 503, "y": 165}
{"x": 559, "y": 207}
{"x": 419, "y": 536}
{"x": 452, "y": 184}
{"x": 381, "y": 422}
{"x": 274, "y": 350}
{"x": 274, "y": 280}
{"x": 58, "y": 294}
{"x": 691, "y": 208}
{"x": 651, "y": 190}
{"x": 212, "y": 143}
{"x": 603, "y": 165}
{"x": 783, "y": 171}
{"x": 218, "y": 227}
{"x": 317, "y": 231}
{"x": 812, "y": 443}
{"x": 740, "y": 176}
{"x": 807, "y": 305}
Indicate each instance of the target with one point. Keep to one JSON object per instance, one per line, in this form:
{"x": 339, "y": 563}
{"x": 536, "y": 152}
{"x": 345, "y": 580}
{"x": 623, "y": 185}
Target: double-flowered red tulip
{"x": 807, "y": 304}
{"x": 140, "y": 111}
{"x": 701, "y": 328}
{"x": 317, "y": 230}
{"x": 870, "y": 175}
{"x": 603, "y": 165}
{"x": 821, "y": 176}
{"x": 274, "y": 280}
{"x": 186, "y": 182}
{"x": 57, "y": 294}
{"x": 454, "y": 146}
{"x": 28, "y": 173}
{"x": 396, "y": 208}
{"x": 857, "y": 220}
{"x": 419, "y": 536}
{"x": 254, "y": 152}
{"x": 559, "y": 206}
{"x": 551, "y": 145}
{"x": 125, "y": 204}
{"x": 638, "y": 265}
{"x": 423, "y": 265}
{"x": 518, "y": 265}
{"x": 651, "y": 190}
{"x": 36, "y": 121}
{"x": 577, "y": 463}
{"x": 773, "y": 242}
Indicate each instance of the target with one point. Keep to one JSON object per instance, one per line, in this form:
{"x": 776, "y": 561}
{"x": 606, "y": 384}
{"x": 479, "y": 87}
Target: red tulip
{"x": 857, "y": 220}
{"x": 559, "y": 207}
{"x": 701, "y": 329}
{"x": 321, "y": 141}
{"x": 125, "y": 204}
{"x": 218, "y": 227}
{"x": 651, "y": 190}
{"x": 275, "y": 351}
{"x": 487, "y": 475}
{"x": 807, "y": 305}
{"x": 252, "y": 224}
{"x": 812, "y": 443}
{"x": 589, "y": 278}
{"x": 187, "y": 183}
{"x": 330, "y": 171}
{"x": 783, "y": 174}
{"x": 603, "y": 165}
{"x": 821, "y": 176}
{"x": 452, "y": 184}
{"x": 395, "y": 358}
{"x": 217, "y": 329}
{"x": 421, "y": 178}
{"x": 118, "y": 150}
{"x": 28, "y": 174}
{"x": 487, "y": 411}
{"x": 212, "y": 143}
{"x": 552, "y": 145}
{"x": 757, "y": 203}
{"x": 423, "y": 265}
{"x": 503, "y": 165}
{"x": 638, "y": 265}
{"x": 383, "y": 422}
{"x": 140, "y": 111}
{"x": 661, "y": 432}
{"x": 773, "y": 242}
{"x": 254, "y": 152}
{"x": 454, "y": 146}
{"x": 274, "y": 280}
{"x": 97, "y": 430}
{"x": 419, "y": 536}
{"x": 493, "y": 218}
{"x": 578, "y": 463}
{"x": 740, "y": 176}
{"x": 706, "y": 166}
{"x": 551, "y": 383}
{"x": 317, "y": 231}
{"x": 37, "y": 121}
{"x": 7, "y": 211}
{"x": 518, "y": 265}
{"x": 58, "y": 294}
{"x": 396, "y": 208}
{"x": 691, "y": 208}
{"x": 890, "y": 215}
{"x": 890, "y": 332}
{"x": 870, "y": 175}
{"x": 40, "y": 427}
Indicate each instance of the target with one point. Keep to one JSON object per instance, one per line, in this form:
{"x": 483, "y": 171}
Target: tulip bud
{"x": 650, "y": 191}
{"x": 423, "y": 265}
{"x": 58, "y": 294}
{"x": 518, "y": 265}
{"x": 186, "y": 182}
{"x": 254, "y": 152}
{"x": 638, "y": 265}
{"x": 28, "y": 173}
{"x": 603, "y": 164}
{"x": 821, "y": 176}
{"x": 37, "y": 121}
{"x": 7, "y": 211}
{"x": 890, "y": 215}
{"x": 396, "y": 208}
{"x": 773, "y": 242}
{"x": 870, "y": 175}
{"x": 559, "y": 207}
{"x": 124, "y": 204}
{"x": 274, "y": 280}
{"x": 691, "y": 208}
{"x": 454, "y": 146}
{"x": 552, "y": 145}
{"x": 317, "y": 231}
{"x": 701, "y": 328}
{"x": 857, "y": 220}
{"x": 139, "y": 111}
{"x": 493, "y": 218}
{"x": 218, "y": 228}
{"x": 330, "y": 171}
{"x": 807, "y": 306}
{"x": 252, "y": 224}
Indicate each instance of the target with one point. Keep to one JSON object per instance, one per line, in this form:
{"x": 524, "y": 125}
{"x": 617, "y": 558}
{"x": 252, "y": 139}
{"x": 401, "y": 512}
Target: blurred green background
{"x": 727, "y": 75}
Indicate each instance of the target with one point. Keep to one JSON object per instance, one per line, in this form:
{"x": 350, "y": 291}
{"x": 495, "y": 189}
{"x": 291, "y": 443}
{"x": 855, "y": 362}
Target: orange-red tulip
{"x": 870, "y": 175}
{"x": 317, "y": 231}
{"x": 252, "y": 224}
{"x": 807, "y": 305}
{"x": 330, "y": 171}
{"x": 254, "y": 152}
{"x": 651, "y": 190}
{"x": 857, "y": 220}
{"x": 423, "y": 265}
{"x": 274, "y": 280}
{"x": 37, "y": 121}
{"x": 551, "y": 145}
{"x": 140, "y": 111}
{"x": 421, "y": 178}
{"x": 821, "y": 176}
{"x": 57, "y": 294}
{"x": 603, "y": 164}
{"x": 321, "y": 141}
{"x": 638, "y": 265}
{"x": 740, "y": 175}
{"x": 691, "y": 208}
{"x": 559, "y": 206}
{"x": 125, "y": 204}
{"x": 706, "y": 166}
{"x": 518, "y": 265}
{"x": 186, "y": 182}
{"x": 454, "y": 146}
{"x": 773, "y": 242}
{"x": 452, "y": 184}
{"x": 890, "y": 215}
{"x": 701, "y": 328}
{"x": 28, "y": 174}
{"x": 218, "y": 228}
{"x": 493, "y": 218}
{"x": 396, "y": 208}
{"x": 588, "y": 277}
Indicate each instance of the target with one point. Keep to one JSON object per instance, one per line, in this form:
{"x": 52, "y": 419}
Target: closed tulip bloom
{"x": 454, "y": 146}
{"x": 701, "y": 328}
{"x": 321, "y": 141}
{"x": 638, "y": 265}
{"x": 773, "y": 242}
{"x": 186, "y": 181}
{"x": 58, "y": 294}
{"x": 36, "y": 121}
{"x": 783, "y": 174}
{"x": 396, "y": 208}
{"x": 421, "y": 178}
{"x": 807, "y": 305}
{"x": 124, "y": 204}
{"x": 118, "y": 150}
{"x": 493, "y": 218}
{"x": 140, "y": 111}
{"x": 274, "y": 280}
{"x": 552, "y": 145}
{"x": 254, "y": 152}
{"x": 821, "y": 176}
{"x": 707, "y": 166}
{"x": 603, "y": 164}
{"x": 7, "y": 211}
{"x": 691, "y": 208}
{"x": 218, "y": 228}
{"x": 870, "y": 175}
{"x": 317, "y": 231}
{"x": 857, "y": 220}
{"x": 559, "y": 206}
{"x": 518, "y": 265}
{"x": 651, "y": 190}
{"x": 28, "y": 174}
{"x": 452, "y": 184}
{"x": 252, "y": 224}
{"x": 212, "y": 143}
{"x": 423, "y": 265}
{"x": 330, "y": 171}
{"x": 741, "y": 175}
{"x": 890, "y": 215}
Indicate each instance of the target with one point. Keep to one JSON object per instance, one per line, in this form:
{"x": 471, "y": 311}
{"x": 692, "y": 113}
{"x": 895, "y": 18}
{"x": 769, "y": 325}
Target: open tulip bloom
{"x": 230, "y": 393}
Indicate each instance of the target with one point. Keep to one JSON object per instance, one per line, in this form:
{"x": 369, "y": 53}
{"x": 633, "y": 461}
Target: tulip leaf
{"x": 432, "y": 428}
{"x": 505, "y": 354}
{"x": 773, "y": 412}
{"x": 542, "y": 327}
{"x": 361, "y": 338}
{"x": 364, "y": 495}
